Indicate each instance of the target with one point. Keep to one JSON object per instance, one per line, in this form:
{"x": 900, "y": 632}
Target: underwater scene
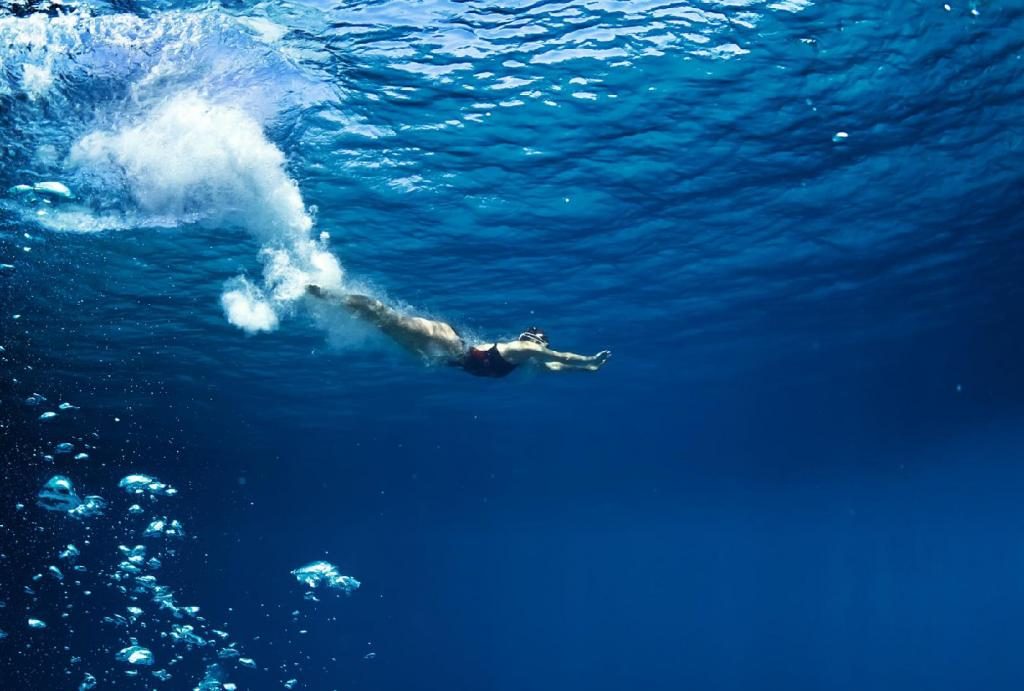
{"x": 487, "y": 346}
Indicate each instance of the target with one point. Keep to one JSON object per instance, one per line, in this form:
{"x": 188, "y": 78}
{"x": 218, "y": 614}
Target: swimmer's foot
{"x": 316, "y": 290}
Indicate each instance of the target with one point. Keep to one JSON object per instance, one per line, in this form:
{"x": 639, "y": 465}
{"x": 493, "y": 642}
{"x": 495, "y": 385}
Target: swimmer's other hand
{"x": 597, "y": 361}
{"x": 315, "y": 290}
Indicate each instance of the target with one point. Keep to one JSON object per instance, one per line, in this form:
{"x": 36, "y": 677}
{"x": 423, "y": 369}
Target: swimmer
{"x": 438, "y": 340}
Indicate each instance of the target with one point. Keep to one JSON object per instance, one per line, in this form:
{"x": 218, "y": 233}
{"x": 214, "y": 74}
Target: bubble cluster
{"x": 322, "y": 573}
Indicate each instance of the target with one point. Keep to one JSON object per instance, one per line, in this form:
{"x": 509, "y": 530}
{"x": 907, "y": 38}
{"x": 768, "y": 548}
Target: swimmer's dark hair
{"x": 534, "y": 335}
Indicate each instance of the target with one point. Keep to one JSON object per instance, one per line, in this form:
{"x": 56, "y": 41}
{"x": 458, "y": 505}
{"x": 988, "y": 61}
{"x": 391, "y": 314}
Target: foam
{"x": 180, "y": 141}
{"x": 36, "y": 80}
{"x": 190, "y": 160}
{"x": 246, "y": 307}
{"x": 182, "y": 145}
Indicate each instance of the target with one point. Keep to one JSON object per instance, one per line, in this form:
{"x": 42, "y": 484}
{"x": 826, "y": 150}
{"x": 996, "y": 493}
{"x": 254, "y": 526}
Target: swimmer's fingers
{"x": 597, "y": 361}
{"x": 315, "y": 290}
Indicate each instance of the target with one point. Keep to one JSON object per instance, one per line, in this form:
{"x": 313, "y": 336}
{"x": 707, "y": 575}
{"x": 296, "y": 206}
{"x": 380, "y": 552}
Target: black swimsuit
{"x": 485, "y": 363}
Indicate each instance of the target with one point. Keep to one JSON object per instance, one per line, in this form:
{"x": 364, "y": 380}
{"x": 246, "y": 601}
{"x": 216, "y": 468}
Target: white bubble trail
{"x": 190, "y": 160}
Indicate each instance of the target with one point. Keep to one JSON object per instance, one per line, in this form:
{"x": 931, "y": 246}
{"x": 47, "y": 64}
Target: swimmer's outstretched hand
{"x": 316, "y": 290}
{"x": 597, "y": 361}
{"x": 571, "y": 362}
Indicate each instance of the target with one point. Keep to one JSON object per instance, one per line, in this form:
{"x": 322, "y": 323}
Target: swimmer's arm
{"x": 519, "y": 352}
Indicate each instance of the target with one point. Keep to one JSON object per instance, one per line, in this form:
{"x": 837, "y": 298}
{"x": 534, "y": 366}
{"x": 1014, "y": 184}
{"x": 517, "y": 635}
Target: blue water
{"x": 798, "y": 226}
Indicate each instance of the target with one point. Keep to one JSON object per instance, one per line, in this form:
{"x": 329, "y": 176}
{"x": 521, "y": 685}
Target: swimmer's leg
{"x": 423, "y": 336}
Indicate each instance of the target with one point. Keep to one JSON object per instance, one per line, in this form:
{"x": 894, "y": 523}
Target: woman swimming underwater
{"x": 438, "y": 340}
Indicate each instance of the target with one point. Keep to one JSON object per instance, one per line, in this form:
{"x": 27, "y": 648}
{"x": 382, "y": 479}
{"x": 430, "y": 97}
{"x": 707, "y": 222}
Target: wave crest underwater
{"x": 157, "y": 150}
{"x": 193, "y": 161}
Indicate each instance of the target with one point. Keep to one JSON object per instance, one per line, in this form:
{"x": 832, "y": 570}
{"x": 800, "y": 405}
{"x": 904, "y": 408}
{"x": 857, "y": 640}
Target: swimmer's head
{"x": 534, "y": 335}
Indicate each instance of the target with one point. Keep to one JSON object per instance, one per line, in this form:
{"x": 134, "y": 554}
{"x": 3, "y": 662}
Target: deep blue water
{"x": 798, "y": 226}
